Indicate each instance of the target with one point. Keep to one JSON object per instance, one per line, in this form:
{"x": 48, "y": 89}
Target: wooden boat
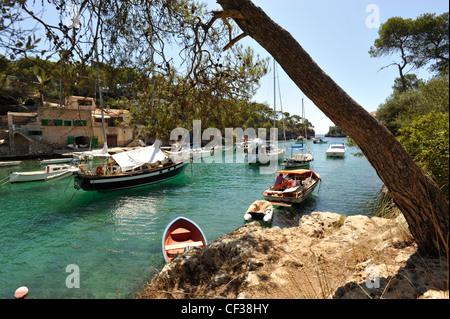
{"x": 297, "y": 186}
{"x": 336, "y": 150}
{"x": 259, "y": 210}
{"x": 179, "y": 236}
{"x": 51, "y": 172}
{"x": 10, "y": 163}
{"x": 56, "y": 161}
{"x": 129, "y": 169}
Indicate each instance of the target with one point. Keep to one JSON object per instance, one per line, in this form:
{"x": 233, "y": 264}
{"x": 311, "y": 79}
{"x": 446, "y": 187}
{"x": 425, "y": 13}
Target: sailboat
{"x": 259, "y": 151}
{"x": 138, "y": 167}
{"x": 303, "y": 159}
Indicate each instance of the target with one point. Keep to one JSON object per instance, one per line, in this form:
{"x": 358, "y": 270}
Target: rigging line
{"x": 4, "y": 181}
{"x": 67, "y": 184}
{"x": 71, "y": 197}
{"x": 281, "y": 105}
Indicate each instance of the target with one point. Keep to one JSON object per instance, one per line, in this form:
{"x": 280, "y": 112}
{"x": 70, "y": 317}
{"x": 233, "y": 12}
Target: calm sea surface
{"x": 115, "y": 238}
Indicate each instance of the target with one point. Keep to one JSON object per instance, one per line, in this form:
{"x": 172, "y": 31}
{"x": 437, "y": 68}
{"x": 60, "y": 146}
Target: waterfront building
{"x": 75, "y": 125}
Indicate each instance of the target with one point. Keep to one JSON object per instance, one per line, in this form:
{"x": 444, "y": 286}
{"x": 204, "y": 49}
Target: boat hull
{"x": 335, "y": 154}
{"x": 295, "y": 198}
{"x": 122, "y": 181}
{"x": 10, "y": 163}
{"x": 180, "y": 235}
{"x": 60, "y": 171}
{"x": 303, "y": 184}
{"x": 296, "y": 164}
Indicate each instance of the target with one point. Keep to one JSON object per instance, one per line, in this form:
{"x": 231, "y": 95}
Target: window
{"x": 51, "y": 122}
{"x": 34, "y": 133}
{"x": 85, "y": 102}
{"x": 79, "y": 123}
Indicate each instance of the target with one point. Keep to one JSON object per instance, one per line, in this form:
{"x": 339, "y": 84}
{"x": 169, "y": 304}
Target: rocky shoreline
{"x": 327, "y": 256}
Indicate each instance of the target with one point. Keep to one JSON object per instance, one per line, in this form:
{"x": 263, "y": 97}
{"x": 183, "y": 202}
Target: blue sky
{"x": 335, "y": 34}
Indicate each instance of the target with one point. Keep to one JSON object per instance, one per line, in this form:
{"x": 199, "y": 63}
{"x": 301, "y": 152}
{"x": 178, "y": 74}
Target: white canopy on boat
{"x": 135, "y": 158}
{"x": 94, "y": 153}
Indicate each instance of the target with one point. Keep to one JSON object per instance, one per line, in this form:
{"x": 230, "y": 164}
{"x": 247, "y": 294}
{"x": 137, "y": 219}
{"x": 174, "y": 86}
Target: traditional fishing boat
{"x": 336, "y": 150}
{"x": 10, "y": 163}
{"x": 179, "y": 236}
{"x": 259, "y": 210}
{"x": 138, "y": 167}
{"x": 292, "y": 186}
{"x": 56, "y": 160}
{"x": 51, "y": 172}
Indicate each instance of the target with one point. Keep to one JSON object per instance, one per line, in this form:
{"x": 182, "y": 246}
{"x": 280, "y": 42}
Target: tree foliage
{"x": 427, "y": 140}
{"x": 402, "y": 107}
{"x": 156, "y": 57}
{"x": 420, "y": 42}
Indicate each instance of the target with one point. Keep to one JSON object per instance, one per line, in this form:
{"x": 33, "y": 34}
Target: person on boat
{"x": 279, "y": 180}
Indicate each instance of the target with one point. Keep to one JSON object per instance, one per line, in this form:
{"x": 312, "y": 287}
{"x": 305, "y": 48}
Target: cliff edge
{"x": 327, "y": 256}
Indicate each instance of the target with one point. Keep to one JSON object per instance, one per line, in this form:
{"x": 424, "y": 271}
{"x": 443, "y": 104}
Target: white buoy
{"x": 21, "y": 292}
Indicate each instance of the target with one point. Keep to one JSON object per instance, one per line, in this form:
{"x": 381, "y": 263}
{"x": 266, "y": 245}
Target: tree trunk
{"x": 418, "y": 197}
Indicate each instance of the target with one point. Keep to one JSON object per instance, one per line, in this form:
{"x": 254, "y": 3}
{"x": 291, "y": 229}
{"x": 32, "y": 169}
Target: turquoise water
{"x": 115, "y": 238}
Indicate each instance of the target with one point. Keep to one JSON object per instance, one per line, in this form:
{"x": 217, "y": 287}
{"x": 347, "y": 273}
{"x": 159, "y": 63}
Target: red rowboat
{"x": 179, "y": 236}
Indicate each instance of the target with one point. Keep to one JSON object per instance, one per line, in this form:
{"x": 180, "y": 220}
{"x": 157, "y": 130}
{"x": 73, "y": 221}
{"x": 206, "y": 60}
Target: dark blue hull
{"x": 122, "y": 181}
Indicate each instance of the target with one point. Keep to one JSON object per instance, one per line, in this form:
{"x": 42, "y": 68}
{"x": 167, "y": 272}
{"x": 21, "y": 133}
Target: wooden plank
{"x": 281, "y": 204}
{"x": 183, "y": 245}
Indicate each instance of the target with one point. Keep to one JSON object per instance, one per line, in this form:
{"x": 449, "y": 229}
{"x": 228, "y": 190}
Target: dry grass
{"x": 253, "y": 262}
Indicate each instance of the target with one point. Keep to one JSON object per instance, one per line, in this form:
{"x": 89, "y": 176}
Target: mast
{"x": 105, "y": 144}
{"x": 274, "y": 96}
{"x": 304, "y": 124}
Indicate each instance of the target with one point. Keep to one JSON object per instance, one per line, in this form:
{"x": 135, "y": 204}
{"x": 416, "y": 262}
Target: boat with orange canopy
{"x": 297, "y": 185}
{"x": 179, "y": 236}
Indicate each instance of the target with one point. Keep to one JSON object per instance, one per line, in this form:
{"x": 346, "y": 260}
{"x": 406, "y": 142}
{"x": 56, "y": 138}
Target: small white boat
{"x": 10, "y": 163}
{"x": 259, "y": 210}
{"x": 56, "y": 161}
{"x": 51, "y": 172}
{"x": 319, "y": 140}
{"x": 336, "y": 150}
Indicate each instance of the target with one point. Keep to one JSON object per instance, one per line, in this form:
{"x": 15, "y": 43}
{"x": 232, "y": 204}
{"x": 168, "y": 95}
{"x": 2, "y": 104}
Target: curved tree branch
{"x": 417, "y": 196}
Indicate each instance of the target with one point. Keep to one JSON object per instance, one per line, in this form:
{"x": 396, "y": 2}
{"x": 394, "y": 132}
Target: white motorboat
{"x": 51, "y": 172}
{"x": 336, "y": 150}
